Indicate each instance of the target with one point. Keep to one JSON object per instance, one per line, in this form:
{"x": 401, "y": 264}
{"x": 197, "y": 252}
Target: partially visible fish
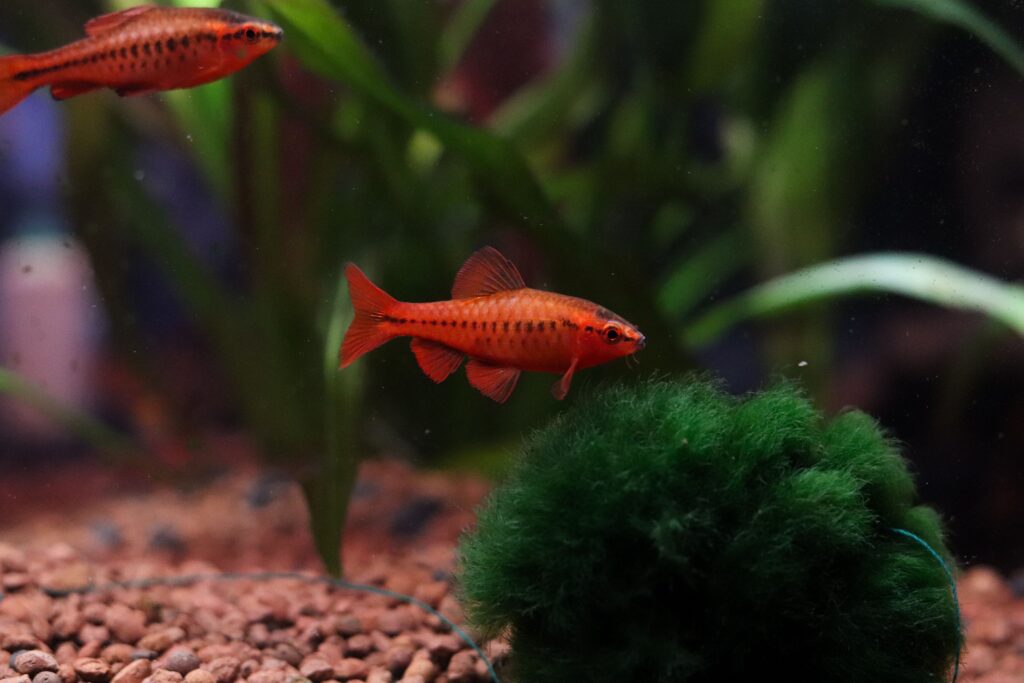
{"x": 494, "y": 319}
{"x": 141, "y": 50}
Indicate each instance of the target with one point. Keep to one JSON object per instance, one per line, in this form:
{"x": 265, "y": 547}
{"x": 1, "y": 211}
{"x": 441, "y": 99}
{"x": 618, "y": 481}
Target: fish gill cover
{"x": 671, "y": 532}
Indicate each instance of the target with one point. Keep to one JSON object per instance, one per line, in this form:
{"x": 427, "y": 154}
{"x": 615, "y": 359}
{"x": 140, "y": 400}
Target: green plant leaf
{"x": 83, "y": 426}
{"x": 326, "y": 44}
{"x": 918, "y": 276}
{"x": 328, "y": 488}
{"x": 458, "y": 34}
{"x": 964, "y": 15}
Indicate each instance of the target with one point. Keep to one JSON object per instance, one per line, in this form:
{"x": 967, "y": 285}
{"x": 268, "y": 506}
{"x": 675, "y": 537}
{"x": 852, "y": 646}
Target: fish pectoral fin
{"x": 135, "y": 90}
{"x": 493, "y": 381}
{"x": 63, "y": 91}
{"x": 560, "y": 388}
{"x": 486, "y": 272}
{"x": 108, "y": 22}
{"x": 437, "y": 360}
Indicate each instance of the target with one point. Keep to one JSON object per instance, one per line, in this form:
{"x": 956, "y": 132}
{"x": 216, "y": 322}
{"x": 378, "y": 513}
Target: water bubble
{"x": 802, "y": 364}
{"x": 139, "y": 175}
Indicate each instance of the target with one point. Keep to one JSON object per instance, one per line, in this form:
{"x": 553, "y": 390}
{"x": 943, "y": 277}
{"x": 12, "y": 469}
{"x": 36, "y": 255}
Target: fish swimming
{"x": 494, "y": 319}
{"x": 141, "y": 50}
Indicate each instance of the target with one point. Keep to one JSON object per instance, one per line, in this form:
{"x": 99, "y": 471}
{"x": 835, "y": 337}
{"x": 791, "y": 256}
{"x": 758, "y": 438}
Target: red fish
{"x": 141, "y": 50}
{"x": 495, "y": 320}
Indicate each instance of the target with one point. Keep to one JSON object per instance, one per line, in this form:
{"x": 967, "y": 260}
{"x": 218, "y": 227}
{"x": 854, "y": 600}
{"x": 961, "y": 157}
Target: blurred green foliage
{"x": 672, "y": 147}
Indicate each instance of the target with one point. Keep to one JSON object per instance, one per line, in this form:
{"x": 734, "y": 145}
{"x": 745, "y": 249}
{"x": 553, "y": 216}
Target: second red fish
{"x": 141, "y": 50}
{"x": 494, "y": 319}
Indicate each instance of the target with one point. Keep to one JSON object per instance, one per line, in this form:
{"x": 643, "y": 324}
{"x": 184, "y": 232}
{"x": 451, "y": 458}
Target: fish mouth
{"x": 641, "y": 342}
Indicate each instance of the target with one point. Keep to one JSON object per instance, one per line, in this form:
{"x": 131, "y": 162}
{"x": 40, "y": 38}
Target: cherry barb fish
{"x": 494, "y": 319}
{"x": 141, "y": 50}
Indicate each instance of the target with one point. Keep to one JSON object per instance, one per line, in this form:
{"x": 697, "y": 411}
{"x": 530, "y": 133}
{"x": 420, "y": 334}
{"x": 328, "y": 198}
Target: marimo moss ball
{"x": 671, "y": 532}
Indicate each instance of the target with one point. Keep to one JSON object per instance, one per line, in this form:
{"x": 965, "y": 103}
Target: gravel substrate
{"x": 402, "y": 532}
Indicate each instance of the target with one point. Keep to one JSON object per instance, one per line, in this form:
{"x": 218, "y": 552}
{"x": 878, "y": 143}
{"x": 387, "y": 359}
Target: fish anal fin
{"x": 560, "y": 388}
{"x": 485, "y": 272}
{"x": 368, "y": 329}
{"x": 108, "y": 22}
{"x": 135, "y": 90}
{"x": 69, "y": 89}
{"x": 437, "y": 360}
{"x": 493, "y": 381}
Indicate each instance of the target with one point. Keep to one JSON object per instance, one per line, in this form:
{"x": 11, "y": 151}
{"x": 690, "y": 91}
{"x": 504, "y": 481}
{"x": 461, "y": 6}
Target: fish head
{"x": 607, "y": 336}
{"x": 244, "y": 39}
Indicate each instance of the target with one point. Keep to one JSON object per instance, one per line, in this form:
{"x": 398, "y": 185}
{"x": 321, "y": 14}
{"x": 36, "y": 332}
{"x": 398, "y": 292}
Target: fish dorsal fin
{"x": 486, "y": 272}
{"x": 493, "y": 381}
{"x": 436, "y": 360}
{"x": 108, "y": 22}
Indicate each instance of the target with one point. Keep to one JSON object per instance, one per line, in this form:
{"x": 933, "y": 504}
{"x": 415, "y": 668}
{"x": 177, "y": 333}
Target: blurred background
{"x": 830, "y": 191}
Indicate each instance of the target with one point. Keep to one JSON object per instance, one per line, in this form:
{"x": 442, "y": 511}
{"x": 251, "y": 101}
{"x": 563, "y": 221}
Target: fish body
{"x": 141, "y": 50}
{"x": 501, "y": 325}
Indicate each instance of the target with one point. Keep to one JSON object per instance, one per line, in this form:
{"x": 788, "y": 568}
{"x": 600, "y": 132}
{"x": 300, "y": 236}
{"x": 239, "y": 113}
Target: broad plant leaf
{"x": 918, "y": 276}
{"x": 966, "y": 16}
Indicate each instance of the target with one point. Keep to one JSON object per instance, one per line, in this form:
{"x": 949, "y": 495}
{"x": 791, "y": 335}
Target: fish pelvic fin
{"x": 12, "y": 90}
{"x": 436, "y": 360}
{"x": 493, "y": 381}
{"x": 371, "y": 304}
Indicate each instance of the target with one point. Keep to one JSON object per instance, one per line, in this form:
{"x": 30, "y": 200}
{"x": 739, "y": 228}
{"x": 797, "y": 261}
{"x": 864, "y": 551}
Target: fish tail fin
{"x": 371, "y": 304}
{"x": 12, "y": 91}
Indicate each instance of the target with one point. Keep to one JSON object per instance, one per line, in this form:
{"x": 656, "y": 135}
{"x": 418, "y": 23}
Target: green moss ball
{"x": 671, "y": 532}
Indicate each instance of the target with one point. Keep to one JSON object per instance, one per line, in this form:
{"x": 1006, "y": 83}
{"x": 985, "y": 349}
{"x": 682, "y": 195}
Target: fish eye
{"x": 612, "y": 334}
{"x": 251, "y": 35}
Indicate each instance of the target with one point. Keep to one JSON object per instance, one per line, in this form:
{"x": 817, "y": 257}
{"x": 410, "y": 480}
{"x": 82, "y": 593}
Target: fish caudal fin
{"x": 12, "y": 91}
{"x": 371, "y": 304}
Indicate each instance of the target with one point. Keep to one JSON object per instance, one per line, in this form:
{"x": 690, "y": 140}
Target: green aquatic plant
{"x": 670, "y": 532}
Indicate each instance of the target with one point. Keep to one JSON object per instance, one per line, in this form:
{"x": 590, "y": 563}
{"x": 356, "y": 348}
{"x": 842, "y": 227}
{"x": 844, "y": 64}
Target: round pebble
{"x": 181, "y": 661}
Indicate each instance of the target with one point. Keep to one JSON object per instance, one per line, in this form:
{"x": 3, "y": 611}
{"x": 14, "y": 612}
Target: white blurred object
{"x": 48, "y": 326}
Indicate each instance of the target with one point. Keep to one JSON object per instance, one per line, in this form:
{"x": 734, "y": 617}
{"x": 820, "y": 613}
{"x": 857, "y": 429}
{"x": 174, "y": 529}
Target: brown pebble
{"x": 359, "y": 645}
{"x": 91, "y": 649}
{"x": 19, "y": 639}
{"x": 47, "y": 677}
{"x": 32, "y": 662}
{"x": 431, "y": 593}
{"x": 224, "y": 669}
{"x": 67, "y": 673}
{"x": 134, "y": 672}
{"x": 92, "y": 670}
{"x": 277, "y": 676}
{"x": 350, "y": 668}
{"x": 181, "y": 661}
{"x": 15, "y": 581}
{"x": 67, "y": 623}
{"x": 118, "y": 652}
{"x": 66, "y": 652}
{"x": 379, "y": 676}
{"x": 248, "y": 667}
{"x": 126, "y": 624}
{"x": 395, "y": 621}
{"x": 16, "y": 679}
{"x": 348, "y": 625}
{"x": 462, "y": 666}
{"x": 398, "y": 658}
{"x": 288, "y": 653}
{"x": 161, "y": 640}
{"x": 143, "y": 654}
{"x": 200, "y": 676}
{"x": 415, "y": 678}
{"x": 164, "y": 676}
{"x": 421, "y": 665}
{"x": 316, "y": 669}
{"x": 442, "y": 646}
{"x": 94, "y": 633}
